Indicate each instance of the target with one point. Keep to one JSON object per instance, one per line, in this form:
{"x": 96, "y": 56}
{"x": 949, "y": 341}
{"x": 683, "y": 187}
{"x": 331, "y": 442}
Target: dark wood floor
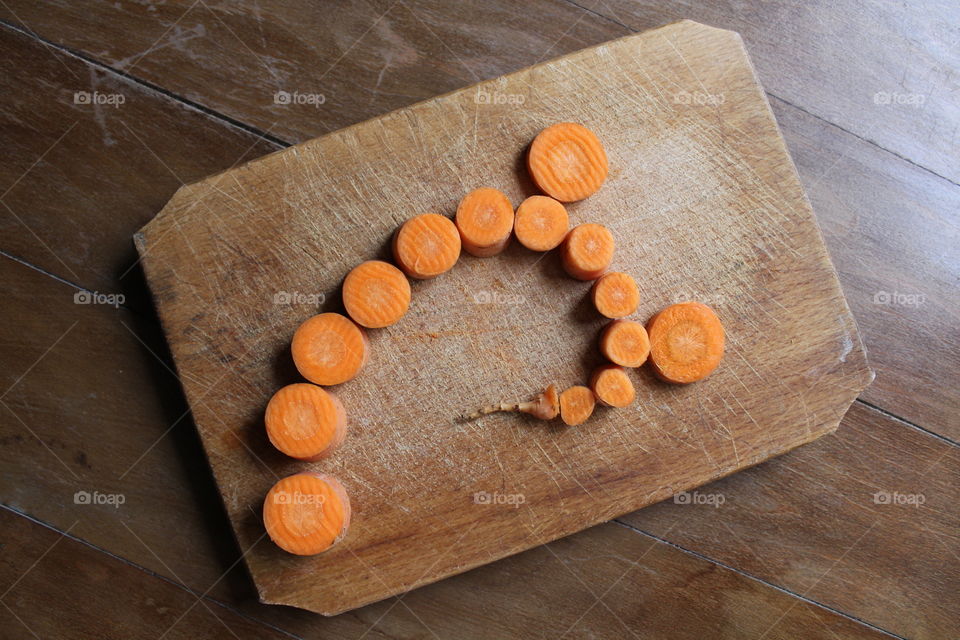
{"x": 855, "y": 535}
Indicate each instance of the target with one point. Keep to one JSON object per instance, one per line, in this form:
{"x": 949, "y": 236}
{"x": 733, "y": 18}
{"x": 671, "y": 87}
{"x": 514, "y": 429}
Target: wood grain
{"x": 762, "y": 265}
{"x": 95, "y": 430}
{"x": 823, "y": 522}
{"x": 57, "y": 587}
{"x": 79, "y": 179}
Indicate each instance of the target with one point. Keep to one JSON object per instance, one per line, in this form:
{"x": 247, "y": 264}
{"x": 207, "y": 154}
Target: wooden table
{"x": 111, "y": 525}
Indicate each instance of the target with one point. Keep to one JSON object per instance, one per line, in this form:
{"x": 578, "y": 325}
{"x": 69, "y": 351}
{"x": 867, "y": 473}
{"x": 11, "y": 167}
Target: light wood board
{"x": 704, "y": 203}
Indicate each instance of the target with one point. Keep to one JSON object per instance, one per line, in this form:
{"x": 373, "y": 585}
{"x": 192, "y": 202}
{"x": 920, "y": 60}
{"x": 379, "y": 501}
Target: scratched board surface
{"x": 704, "y": 203}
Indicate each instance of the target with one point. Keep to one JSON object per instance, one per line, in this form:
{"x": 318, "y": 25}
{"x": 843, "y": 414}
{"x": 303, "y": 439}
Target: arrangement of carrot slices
{"x": 309, "y": 512}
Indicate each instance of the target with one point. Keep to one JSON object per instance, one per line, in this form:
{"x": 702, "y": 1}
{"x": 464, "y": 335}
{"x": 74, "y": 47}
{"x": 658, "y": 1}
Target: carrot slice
{"x": 587, "y": 251}
{"x": 567, "y": 161}
{"x": 541, "y": 223}
{"x": 625, "y": 342}
{"x": 612, "y": 386}
{"x": 576, "y": 405}
{"x": 306, "y": 513}
{"x": 376, "y": 294}
{"x": 426, "y": 246}
{"x": 615, "y": 294}
{"x": 485, "y": 220}
{"x": 686, "y": 342}
{"x": 304, "y": 421}
{"x": 329, "y": 349}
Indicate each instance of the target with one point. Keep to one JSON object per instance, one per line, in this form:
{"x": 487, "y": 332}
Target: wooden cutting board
{"x": 704, "y": 203}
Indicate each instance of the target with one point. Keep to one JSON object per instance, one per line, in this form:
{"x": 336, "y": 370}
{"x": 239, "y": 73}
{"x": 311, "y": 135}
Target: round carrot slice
{"x": 306, "y": 513}
{"x": 567, "y": 162}
{"x": 612, "y": 386}
{"x": 686, "y": 342}
{"x": 576, "y": 405}
{"x": 625, "y": 342}
{"x": 615, "y": 295}
{"x": 304, "y": 421}
{"x": 376, "y": 294}
{"x": 587, "y": 251}
{"x": 485, "y": 220}
{"x": 329, "y": 349}
{"x": 426, "y": 246}
{"x": 541, "y": 223}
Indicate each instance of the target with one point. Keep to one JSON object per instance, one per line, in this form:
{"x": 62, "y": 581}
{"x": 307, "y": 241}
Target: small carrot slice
{"x": 612, "y": 386}
{"x": 615, "y": 294}
{"x": 541, "y": 223}
{"x": 567, "y": 162}
{"x": 305, "y": 422}
{"x": 576, "y": 405}
{"x": 306, "y": 513}
{"x": 426, "y": 246}
{"x": 587, "y": 251}
{"x": 329, "y": 349}
{"x": 376, "y": 294}
{"x": 686, "y": 342}
{"x": 625, "y": 342}
{"x": 485, "y": 220}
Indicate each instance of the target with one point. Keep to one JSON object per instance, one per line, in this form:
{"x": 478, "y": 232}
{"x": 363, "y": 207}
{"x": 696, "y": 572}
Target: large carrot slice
{"x": 426, "y": 246}
{"x": 329, "y": 349}
{"x": 615, "y": 294}
{"x": 611, "y": 385}
{"x": 576, "y": 405}
{"x": 625, "y": 342}
{"x": 541, "y": 223}
{"x": 567, "y": 162}
{"x": 485, "y": 220}
{"x": 376, "y": 294}
{"x": 306, "y": 513}
{"x": 304, "y": 421}
{"x": 587, "y": 251}
{"x": 686, "y": 342}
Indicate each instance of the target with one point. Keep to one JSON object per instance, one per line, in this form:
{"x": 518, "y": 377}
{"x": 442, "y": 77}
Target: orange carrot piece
{"x": 612, "y": 386}
{"x": 426, "y": 246}
{"x": 567, "y": 162}
{"x": 376, "y": 294}
{"x": 576, "y": 405}
{"x": 485, "y": 220}
{"x": 541, "y": 223}
{"x": 305, "y": 422}
{"x": 625, "y": 342}
{"x": 615, "y": 295}
{"x": 545, "y": 406}
{"x": 329, "y": 349}
{"x": 686, "y": 342}
{"x": 306, "y": 513}
{"x": 587, "y": 251}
